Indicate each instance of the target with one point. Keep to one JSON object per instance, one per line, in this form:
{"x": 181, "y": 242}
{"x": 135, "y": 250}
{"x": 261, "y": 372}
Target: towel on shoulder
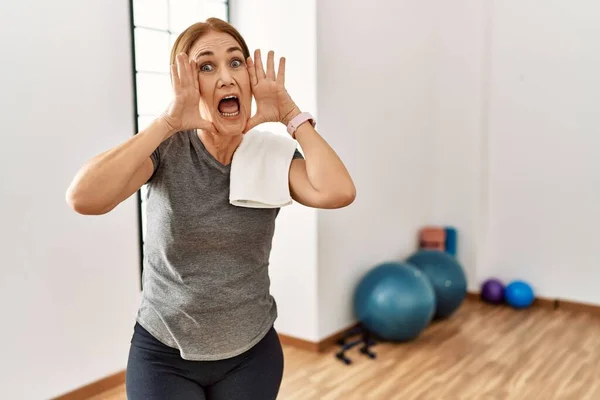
{"x": 260, "y": 170}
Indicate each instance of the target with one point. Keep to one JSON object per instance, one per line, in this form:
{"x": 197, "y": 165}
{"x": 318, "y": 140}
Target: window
{"x": 156, "y": 24}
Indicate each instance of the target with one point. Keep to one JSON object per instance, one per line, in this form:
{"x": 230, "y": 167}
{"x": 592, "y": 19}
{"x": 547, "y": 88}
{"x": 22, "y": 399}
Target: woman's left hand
{"x": 273, "y": 103}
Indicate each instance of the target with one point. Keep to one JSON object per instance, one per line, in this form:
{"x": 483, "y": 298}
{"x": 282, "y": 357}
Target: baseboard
{"x": 554, "y": 304}
{"x": 579, "y": 307}
{"x": 539, "y": 301}
{"x": 330, "y": 341}
{"x": 298, "y": 343}
{"x": 551, "y": 304}
{"x": 317, "y": 347}
{"x": 473, "y": 296}
{"x": 95, "y": 388}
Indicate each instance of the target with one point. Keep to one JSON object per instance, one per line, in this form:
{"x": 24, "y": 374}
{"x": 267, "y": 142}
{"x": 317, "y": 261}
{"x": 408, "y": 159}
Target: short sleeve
{"x": 155, "y": 157}
{"x": 164, "y": 149}
{"x": 297, "y": 154}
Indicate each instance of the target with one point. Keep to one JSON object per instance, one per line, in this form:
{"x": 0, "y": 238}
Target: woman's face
{"x": 226, "y": 96}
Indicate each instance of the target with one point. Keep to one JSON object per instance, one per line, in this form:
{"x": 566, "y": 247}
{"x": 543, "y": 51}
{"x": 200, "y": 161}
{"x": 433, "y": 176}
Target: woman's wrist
{"x": 165, "y": 126}
{"x": 290, "y": 116}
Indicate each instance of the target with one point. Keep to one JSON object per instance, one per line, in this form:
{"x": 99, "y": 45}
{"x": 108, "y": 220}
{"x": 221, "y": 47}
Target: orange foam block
{"x": 432, "y": 237}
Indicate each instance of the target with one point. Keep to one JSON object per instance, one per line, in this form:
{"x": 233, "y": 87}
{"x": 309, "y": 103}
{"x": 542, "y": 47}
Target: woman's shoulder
{"x": 174, "y": 142}
{"x": 177, "y": 139}
{"x": 170, "y": 147}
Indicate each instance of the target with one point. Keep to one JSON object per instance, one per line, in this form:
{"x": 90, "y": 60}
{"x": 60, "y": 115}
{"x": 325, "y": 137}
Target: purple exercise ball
{"x": 492, "y": 291}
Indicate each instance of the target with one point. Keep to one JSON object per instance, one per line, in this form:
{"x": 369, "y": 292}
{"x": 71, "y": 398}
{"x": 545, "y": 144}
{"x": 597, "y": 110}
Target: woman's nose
{"x": 225, "y": 79}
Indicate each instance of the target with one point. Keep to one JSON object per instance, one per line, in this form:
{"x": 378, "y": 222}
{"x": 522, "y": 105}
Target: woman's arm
{"x": 111, "y": 177}
{"x": 321, "y": 180}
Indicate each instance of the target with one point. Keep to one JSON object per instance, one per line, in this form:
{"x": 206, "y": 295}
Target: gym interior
{"x": 468, "y": 265}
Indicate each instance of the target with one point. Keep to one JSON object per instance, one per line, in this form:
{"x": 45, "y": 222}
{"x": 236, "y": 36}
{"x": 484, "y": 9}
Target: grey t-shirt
{"x": 205, "y": 280}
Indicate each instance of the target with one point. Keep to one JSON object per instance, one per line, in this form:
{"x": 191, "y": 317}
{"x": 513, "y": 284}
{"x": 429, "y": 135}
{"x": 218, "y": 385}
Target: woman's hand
{"x": 184, "y": 111}
{"x": 273, "y": 102}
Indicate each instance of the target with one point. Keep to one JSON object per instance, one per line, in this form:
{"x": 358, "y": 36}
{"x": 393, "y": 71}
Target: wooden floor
{"x": 483, "y": 352}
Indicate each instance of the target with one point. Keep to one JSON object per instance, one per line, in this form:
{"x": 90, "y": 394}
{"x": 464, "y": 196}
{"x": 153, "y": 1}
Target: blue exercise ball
{"x": 447, "y": 278}
{"x": 395, "y": 301}
{"x": 519, "y": 294}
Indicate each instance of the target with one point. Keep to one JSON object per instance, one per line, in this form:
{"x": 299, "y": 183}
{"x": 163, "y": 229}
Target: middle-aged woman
{"x": 204, "y": 329}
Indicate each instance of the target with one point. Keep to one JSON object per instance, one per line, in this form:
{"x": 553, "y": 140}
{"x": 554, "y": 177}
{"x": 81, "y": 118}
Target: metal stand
{"x": 366, "y": 339}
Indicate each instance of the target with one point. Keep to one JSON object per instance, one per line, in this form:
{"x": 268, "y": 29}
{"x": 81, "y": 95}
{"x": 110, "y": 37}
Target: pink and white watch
{"x": 299, "y": 120}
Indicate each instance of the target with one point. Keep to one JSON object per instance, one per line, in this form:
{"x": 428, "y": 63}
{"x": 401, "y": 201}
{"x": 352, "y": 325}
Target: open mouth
{"x": 229, "y": 106}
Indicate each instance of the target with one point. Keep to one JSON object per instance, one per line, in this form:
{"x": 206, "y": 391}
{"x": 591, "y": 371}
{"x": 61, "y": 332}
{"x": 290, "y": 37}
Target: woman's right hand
{"x": 184, "y": 111}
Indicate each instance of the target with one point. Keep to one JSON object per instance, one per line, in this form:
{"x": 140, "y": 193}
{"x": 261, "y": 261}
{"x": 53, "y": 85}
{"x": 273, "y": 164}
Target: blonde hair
{"x": 189, "y": 36}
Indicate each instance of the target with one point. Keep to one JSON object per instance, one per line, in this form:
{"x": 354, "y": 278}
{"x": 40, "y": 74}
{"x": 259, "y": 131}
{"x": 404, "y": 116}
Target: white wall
{"x": 375, "y": 94}
{"x": 544, "y": 182}
{"x": 289, "y": 29}
{"x": 69, "y": 284}
{"x": 449, "y": 113}
{"x": 390, "y": 103}
{"x": 455, "y": 150}
{"x": 481, "y": 115}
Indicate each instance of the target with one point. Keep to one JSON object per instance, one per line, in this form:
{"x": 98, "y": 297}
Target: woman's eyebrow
{"x": 210, "y": 53}
{"x": 204, "y": 53}
{"x": 234, "y": 48}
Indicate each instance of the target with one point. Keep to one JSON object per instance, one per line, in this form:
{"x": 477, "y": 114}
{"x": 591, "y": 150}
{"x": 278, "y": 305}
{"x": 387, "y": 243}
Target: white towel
{"x": 260, "y": 170}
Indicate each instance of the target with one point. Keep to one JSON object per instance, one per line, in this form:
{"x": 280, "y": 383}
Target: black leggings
{"x": 157, "y": 372}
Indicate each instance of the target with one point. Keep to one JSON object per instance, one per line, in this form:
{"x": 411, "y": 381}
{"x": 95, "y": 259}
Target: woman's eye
{"x": 236, "y": 63}
{"x": 206, "y": 68}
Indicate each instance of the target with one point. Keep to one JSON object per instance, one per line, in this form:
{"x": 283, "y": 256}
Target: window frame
{"x": 136, "y": 113}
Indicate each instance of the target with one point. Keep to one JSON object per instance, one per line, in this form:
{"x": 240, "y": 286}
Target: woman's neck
{"x": 220, "y": 147}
